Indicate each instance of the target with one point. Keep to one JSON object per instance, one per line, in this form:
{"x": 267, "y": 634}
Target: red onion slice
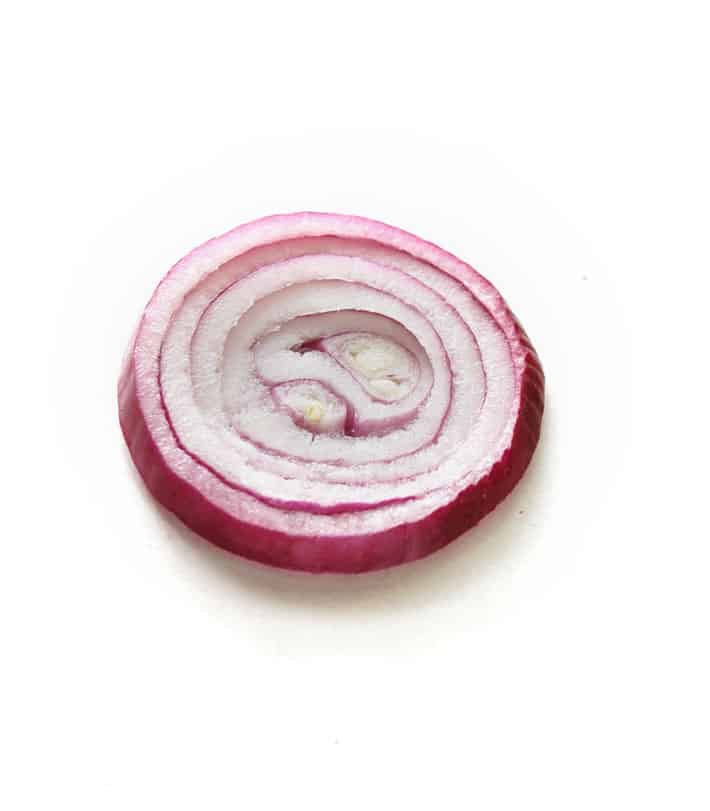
{"x": 329, "y": 393}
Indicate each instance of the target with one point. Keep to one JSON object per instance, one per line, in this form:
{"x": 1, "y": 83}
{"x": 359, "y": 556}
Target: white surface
{"x": 554, "y": 659}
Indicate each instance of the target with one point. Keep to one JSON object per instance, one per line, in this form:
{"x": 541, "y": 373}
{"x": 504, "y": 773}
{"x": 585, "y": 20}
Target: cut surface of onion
{"x": 328, "y": 393}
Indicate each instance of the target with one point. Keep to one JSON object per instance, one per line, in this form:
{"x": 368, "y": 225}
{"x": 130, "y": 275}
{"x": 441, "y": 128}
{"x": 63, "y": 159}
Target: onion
{"x": 329, "y": 393}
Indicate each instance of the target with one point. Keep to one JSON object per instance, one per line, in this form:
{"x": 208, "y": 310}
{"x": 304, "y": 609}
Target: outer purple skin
{"x": 356, "y": 553}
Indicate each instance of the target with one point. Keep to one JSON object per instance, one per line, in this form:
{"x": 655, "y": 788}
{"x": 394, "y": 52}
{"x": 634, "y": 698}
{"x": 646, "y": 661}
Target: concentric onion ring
{"x": 329, "y": 393}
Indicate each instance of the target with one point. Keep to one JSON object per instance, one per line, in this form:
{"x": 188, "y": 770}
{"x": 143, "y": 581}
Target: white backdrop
{"x": 553, "y": 658}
